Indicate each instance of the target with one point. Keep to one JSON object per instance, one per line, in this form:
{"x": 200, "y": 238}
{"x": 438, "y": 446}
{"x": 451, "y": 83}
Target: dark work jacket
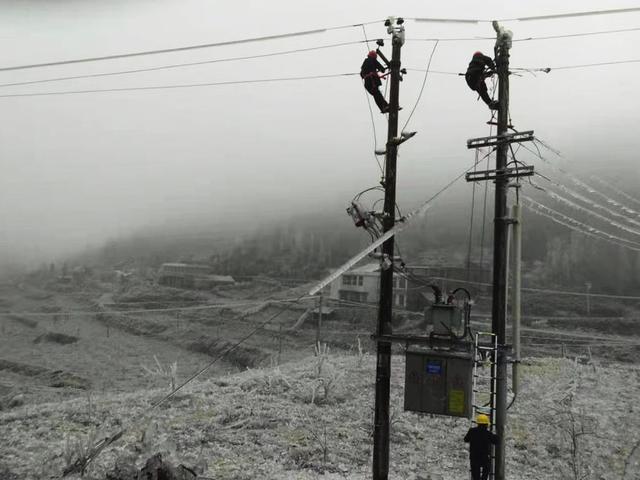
{"x": 480, "y": 440}
{"x": 478, "y": 64}
{"x": 369, "y": 68}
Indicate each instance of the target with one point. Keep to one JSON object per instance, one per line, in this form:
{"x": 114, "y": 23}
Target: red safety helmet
{"x": 477, "y": 53}
{"x": 373, "y": 54}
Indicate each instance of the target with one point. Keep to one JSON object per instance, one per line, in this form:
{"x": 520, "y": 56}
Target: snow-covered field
{"x": 313, "y": 419}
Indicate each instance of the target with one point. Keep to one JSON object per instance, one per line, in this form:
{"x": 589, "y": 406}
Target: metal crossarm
{"x": 481, "y": 175}
{"x": 517, "y": 137}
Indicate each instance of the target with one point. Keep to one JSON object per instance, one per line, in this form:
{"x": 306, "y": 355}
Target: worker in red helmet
{"x": 369, "y": 73}
{"x": 479, "y": 68}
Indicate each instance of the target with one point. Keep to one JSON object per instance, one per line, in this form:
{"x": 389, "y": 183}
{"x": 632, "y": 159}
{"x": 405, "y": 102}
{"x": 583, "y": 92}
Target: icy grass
{"x": 282, "y": 423}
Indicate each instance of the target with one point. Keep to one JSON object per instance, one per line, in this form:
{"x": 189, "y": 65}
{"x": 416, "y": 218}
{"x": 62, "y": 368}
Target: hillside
{"x": 312, "y": 419}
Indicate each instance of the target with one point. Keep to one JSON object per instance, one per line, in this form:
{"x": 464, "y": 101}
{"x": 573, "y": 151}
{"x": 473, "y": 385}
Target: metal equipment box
{"x": 439, "y": 382}
{"x": 445, "y": 319}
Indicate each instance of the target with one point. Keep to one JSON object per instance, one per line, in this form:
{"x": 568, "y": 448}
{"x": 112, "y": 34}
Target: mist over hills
{"x": 306, "y": 246}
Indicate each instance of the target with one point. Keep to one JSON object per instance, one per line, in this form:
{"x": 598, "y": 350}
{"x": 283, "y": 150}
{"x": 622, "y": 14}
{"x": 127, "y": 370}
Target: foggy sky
{"x": 79, "y": 169}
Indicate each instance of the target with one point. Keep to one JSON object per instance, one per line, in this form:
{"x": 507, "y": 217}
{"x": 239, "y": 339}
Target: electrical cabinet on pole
{"x": 395, "y": 27}
{"x": 500, "y": 239}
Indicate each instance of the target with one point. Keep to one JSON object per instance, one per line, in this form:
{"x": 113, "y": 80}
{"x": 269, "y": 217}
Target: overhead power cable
{"x": 534, "y": 69}
{"x": 181, "y": 65}
{"x": 616, "y": 189}
{"x": 579, "y": 34}
{"x": 628, "y": 212}
{"x": 233, "y": 82}
{"x": 424, "y": 83}
{"x": 590, "y": 212}
{"x": 578, "y": 226}
{"x": 178, "y": 49}
{"x": 541, "y": 290}
{"x": 527, "y": 19}
{"x": 584, "y": 65}
{"x": 528, "y": 39}
{"x": 177, "y": 86}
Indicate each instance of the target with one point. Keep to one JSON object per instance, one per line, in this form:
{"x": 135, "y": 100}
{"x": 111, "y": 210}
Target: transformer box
{"x": 445, "y": 319}
{"x": 439, "y": 382}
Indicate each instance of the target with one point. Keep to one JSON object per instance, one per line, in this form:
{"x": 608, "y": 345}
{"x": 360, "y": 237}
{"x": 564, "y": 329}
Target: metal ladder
{"x": 488, "y": 349}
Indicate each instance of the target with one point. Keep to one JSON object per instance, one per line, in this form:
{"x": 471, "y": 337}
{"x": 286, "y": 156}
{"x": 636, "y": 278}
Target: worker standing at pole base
{"x": 476, "y": 74}
{"x": 480, "y": 440}
{"x": 369, "y": 73}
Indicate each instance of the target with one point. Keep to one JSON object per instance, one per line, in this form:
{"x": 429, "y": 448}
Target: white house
{"x": 362, "y": 285}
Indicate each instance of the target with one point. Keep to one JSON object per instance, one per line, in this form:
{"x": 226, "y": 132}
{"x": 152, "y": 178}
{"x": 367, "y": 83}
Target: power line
{"x": 584, "y": 186}
{"x": 540, "y": 290}
{"x": 526, "y": 19}
{"x": 233, "y": 82}
{"x": 576, "y": 14}
{"x": 177, "y": 86}
{"x": 576, "y": 206}
{"x": 424, "y": 82}
{"x": 616, "y": 189}
{"x": 179, "y": 49}
{"x": 579, "y": 34}
{"x": 181, "y": 65}
{"x": 536, "y": 69}
{"x": 528, "y": 39}
{"x": 576, "y": 225}
{"x": 584, "y": 65}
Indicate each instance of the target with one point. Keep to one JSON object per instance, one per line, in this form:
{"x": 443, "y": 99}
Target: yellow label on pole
{"x": 456, "y": 402}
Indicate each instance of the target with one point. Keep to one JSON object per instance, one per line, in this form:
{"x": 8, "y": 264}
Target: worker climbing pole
{"x": 370, "y": 74}
{"x": 480, "y": 68}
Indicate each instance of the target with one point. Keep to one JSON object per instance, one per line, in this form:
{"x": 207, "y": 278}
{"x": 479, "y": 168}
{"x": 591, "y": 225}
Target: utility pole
{"x": 517, "y": 284}
{"x": 395, "y": 28}
{"x": 501, "y": 175}
{"x": 588, "y": 287}
{"x": 500, "y": 239}
{"x": 319, "y": 324}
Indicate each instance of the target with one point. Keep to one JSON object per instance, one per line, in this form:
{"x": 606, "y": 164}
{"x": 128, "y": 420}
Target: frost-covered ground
{"x": 313, "y": 419}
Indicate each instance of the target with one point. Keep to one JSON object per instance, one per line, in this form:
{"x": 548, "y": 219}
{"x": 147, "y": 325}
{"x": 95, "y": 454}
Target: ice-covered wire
{"x": 576, "y": 225}
{"x": 616, "y": 189}
{"x": 576, "y": 206}
{"x": 628, "y": 212}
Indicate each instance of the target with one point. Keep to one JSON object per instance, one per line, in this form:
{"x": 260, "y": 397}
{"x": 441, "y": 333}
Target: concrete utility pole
{"x": 500, "y": 239}
{"x": 319, "y": 324}
{"x": 517, "y": 283}
{"x": 395, "y": 27}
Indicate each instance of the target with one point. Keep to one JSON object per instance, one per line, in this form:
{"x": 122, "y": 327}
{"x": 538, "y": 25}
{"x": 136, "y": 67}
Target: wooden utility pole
{"x": 500, "y": 239}
{"x": 395, "y": 27}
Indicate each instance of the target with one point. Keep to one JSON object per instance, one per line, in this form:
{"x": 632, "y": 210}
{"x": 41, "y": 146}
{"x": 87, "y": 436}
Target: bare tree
{"x": 574, "y": 425}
